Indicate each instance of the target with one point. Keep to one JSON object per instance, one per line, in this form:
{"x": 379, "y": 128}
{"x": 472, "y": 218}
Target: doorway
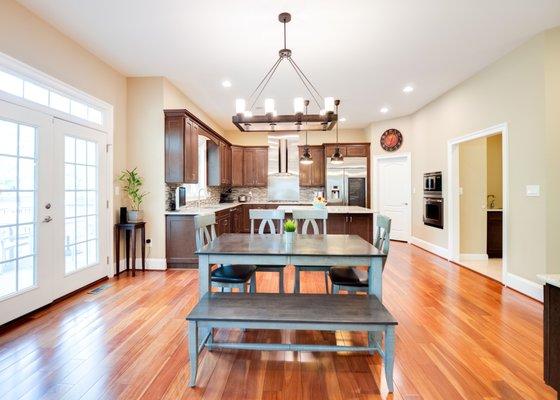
{"x": 53, "y": 215}
{"x": 478, "y": 201}
{"x": 392, "y": 192}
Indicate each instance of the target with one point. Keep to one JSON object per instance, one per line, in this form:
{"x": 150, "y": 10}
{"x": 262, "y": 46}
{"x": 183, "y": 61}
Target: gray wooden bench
{"x": 297, "y": 312}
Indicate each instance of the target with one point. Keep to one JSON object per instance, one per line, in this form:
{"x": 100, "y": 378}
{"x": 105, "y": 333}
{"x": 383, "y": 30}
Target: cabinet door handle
{"x": 351, "y": 219}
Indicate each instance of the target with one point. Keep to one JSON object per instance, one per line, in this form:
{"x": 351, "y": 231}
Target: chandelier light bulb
{"x": 329, "y": 104}
{"x": 298, "y": 105}
{"x": 322, "y": 112}
{"x": 248, "y": 114}
{"x": 268, "y": 106}
{"x": 239, "y": 106}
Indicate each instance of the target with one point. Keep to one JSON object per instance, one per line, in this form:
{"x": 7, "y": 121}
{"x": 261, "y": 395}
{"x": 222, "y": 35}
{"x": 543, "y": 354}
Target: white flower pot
{"x": 135, "y": 216}
{"x": 290, "y": 236}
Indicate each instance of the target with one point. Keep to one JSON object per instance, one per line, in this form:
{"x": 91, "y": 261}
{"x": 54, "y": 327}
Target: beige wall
{"x": 31, "y": 40}
{"x": 511, "y": 90}
{"x": 494, "y": 176}
{"x": 472, "y": 201}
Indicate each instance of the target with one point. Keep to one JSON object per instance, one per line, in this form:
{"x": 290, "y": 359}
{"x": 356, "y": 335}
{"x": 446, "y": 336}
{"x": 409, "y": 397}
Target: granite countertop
{"x": 287, "y": 206}
{"x": 552, "y": 279}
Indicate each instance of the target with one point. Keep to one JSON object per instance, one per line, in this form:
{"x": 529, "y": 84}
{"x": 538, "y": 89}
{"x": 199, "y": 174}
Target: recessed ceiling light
{"x": 342, "y": 119}
{"x": 226, "y": 83}
{"x": 384, "y": 110}
{"x": 408, "y": 89}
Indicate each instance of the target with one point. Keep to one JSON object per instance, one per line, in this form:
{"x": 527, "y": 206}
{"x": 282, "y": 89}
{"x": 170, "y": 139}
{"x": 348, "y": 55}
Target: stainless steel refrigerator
{"x": 347, "y": 182}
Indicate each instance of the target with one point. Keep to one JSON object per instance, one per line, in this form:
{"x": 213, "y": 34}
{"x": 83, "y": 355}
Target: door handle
{"x": 48, "y": 218}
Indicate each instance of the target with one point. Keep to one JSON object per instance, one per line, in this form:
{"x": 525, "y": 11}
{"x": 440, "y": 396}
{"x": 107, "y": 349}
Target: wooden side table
{"x": 130, "y": 244}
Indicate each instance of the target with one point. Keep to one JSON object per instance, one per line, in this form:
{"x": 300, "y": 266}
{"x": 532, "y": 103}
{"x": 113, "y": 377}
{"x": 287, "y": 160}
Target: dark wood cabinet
{"x": 236, "y": 219}
{"x": 255, "y": 166}
{"x": 180, "y": 243}
{"x": 336, "y": 224}
{"x": 181, "y": 148}
{"x": 330, "y": 148}
{"x": 223, "y": 222}
{"x": 351, "y": 224}
{"x": 236, "y": 166}
{"x": 551, "y": 328}
{"x": 494, "y": 234}
{"x": 348, "y": 149}
{"x": 225, "y": 164}
{"x": 313, "y": 174}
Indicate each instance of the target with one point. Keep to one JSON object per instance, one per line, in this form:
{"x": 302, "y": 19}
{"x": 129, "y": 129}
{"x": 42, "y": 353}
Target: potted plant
{"x": 290, "y": 230}
{"x": 132, "y": 185}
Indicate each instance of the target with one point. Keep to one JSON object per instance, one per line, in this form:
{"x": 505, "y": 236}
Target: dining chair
{"x": 268, "y": 218}
{"x": 226, "y": 277}
{"x": 308, "y": 221}
{"x": 356, "y": 280}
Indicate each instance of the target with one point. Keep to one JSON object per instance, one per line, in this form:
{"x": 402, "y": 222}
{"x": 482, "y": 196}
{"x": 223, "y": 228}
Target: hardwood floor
{"x": 460, "y": 336}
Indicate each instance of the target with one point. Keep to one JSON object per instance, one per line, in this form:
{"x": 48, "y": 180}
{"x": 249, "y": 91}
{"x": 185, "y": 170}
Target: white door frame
{"x": 376, "y": 160}
{"x": 453, "y": 201}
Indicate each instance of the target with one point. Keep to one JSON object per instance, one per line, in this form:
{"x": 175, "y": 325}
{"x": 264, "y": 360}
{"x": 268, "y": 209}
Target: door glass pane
{"x": 81, "y": 204}
{"x": 17, "y": 207}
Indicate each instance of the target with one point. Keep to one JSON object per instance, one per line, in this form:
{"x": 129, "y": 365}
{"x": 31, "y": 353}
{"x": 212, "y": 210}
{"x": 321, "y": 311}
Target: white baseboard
{"x": 432, "y": 248}
{"x": 525, "y": 286}
{"x": 155, "y": 264}
{"x": 472, "y": 257}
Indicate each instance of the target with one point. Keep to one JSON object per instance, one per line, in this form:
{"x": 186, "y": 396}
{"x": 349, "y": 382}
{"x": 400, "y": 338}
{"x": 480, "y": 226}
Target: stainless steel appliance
{"x": 433, "y": 211}
{"x": 433, "y": 183}
{"x": 347, "y": 183}
{"x": 283, "y": 167}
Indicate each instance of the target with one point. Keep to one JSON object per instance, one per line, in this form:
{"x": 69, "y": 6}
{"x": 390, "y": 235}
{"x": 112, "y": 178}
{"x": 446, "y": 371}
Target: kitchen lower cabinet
{"x": 236, "y": 219}
{"x": 180, "y": 243}
{"x": 351, "y": 224}
{"x": 551, "y": 330}
{"x": 494, "y": 234}
{"x": 223, "y": 222}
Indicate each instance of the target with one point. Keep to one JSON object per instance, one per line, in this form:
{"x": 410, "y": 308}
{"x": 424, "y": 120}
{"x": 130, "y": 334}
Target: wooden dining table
{"x": 305, "y": 250}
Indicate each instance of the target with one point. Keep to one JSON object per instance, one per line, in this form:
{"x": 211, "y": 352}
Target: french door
{"x": 52, "y": 209}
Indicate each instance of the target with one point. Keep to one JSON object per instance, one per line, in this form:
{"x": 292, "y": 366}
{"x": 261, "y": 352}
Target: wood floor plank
{"x": 460, "y": 336}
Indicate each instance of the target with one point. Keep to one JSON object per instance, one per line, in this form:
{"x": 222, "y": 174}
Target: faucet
{"x": 200, "y": 190}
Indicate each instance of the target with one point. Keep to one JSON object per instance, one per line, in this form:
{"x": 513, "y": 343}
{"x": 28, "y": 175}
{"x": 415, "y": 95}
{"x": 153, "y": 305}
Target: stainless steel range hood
{"x": 283, "y": 167}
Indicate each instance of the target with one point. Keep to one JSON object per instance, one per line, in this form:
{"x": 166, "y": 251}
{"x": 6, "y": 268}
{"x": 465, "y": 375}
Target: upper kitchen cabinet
{"x": 236, "y": 166}
{"x": 348, "y": 149}
{"x": 181, "y": 148}
{"x": 219, "y": 163}
{"x": 255, "y": 166}
{"x": 313, "y": 174}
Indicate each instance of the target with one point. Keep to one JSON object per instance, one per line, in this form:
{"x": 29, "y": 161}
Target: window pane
{"x": 69, "y": 176}
{"x": 81, "y": 151}
{"x": 8, "y": 137}
{"x": 70, "y": 258}
{"x": 26, "y": 240}
{"x": 26, "y": 174}
{"x": 91, "y": 178}
{"x": 92, "y": 153}
{"x": 8, "y": 173}
{"x": 69, "y": 204}
{"x": 92, "y": 252}
{"x": 26, "y": 272}
{"x": 95, "y": 116}
{"x": 11, "y": 84}
{"x": 69, "y": 149}
{"x": 92, "y": 203}
{"x": 81, "y": 203}
{"x": 8, "y": 208}
{"x": 26, "y": 141}
{"x": 26, "y": 207}
{"x": 81, "y": 255}
{"x": 7, "y": 278}
{"x": 81, "y": 229}
{"x": 78, "y": 109}
{"x": 35, "y": 93}
{"x": 69, "y": 231}
{"x": 59, "y": 102}
{"x": 8, "y": 243}
{"x": 81, "y": 183}
{"x": 92, "y": 227}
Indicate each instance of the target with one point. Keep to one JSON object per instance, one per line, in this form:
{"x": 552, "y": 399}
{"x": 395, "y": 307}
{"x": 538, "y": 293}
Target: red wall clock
{"x": 391, "y": 140}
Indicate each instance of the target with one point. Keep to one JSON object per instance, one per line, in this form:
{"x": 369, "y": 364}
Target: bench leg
{"x": 253, "y": 286}
{"x": 296, "y": 281}
{"x": 327, "y": 282}
{"x": 281, "y": 281}
{"x": 389, "y": 359}
{"x": 193, "y": 351}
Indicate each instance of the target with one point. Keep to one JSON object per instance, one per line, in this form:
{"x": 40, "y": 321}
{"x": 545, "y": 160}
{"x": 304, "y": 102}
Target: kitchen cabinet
{"x": 313, "y": 174}
{"x": 351, "y": 224}
{"x": 348, "y": 149}
{"x": 223, "y": 222}
{"x": 236, "y": 219}
{"x": 180, "y": 243}
{"x": 181, "y": 148}
{"x": 225, "y": 164}
{"x": 219, "y": 163}
{"x": 236, "y": 166}
{"x": 551, "y": 330}
{"x": 494, "y": 234}
{"x": 246, "y": 221}
{"x": 255, "y": 166}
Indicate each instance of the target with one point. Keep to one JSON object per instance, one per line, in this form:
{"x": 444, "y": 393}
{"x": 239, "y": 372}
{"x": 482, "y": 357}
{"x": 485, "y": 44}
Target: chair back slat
{"x": 383, "y": 235}
{"x": 267, "y": 217}
{"x": 310, "y": 218}
{"x": 205, "y": 229}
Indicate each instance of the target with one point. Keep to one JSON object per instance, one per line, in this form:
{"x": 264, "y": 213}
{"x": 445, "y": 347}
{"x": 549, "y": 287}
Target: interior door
{"x": 81, "y": 220}
{"x": 394, "y": 194}
{"x": 26, "y": 227}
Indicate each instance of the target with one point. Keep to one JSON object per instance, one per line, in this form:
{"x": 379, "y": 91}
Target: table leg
{"x": 375, "y": 276}
{"x": 193, "y": 351}
{"x": 133, "y": 250}
{"x": 389, "y": 359}
{"x": 143, "y": 247}
{"x": 204, "y": 277}
{"x": 117, "y": 250}
{"x": 127, "y": 248}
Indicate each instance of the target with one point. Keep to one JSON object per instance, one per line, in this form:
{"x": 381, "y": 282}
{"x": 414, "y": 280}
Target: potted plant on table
{"x": 132, "y": 185}
{"x": 290, "y": 227}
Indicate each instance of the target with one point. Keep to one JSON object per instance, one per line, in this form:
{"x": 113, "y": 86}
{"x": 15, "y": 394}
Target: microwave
{"x": 433, "y": 184}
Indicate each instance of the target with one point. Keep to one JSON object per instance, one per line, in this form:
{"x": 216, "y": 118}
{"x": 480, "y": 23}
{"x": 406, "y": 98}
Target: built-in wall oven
{"x": 433, "y": 211}
{"x": 433, "y": 184}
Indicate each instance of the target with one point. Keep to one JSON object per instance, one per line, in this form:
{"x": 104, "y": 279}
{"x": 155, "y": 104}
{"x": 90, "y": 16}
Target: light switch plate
{"x": 533, "y": 190}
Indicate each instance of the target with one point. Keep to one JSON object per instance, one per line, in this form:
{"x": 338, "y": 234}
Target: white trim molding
{"x": 432, "y": 248}
{"x": 525, "y": 286}
{"x": 472, "y": 257}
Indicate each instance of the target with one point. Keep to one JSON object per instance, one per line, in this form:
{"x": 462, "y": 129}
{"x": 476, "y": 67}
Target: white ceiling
{"x": 361, "y": 51}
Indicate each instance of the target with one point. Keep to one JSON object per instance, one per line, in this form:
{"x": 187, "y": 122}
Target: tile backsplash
{"x": 259, "y": 194}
